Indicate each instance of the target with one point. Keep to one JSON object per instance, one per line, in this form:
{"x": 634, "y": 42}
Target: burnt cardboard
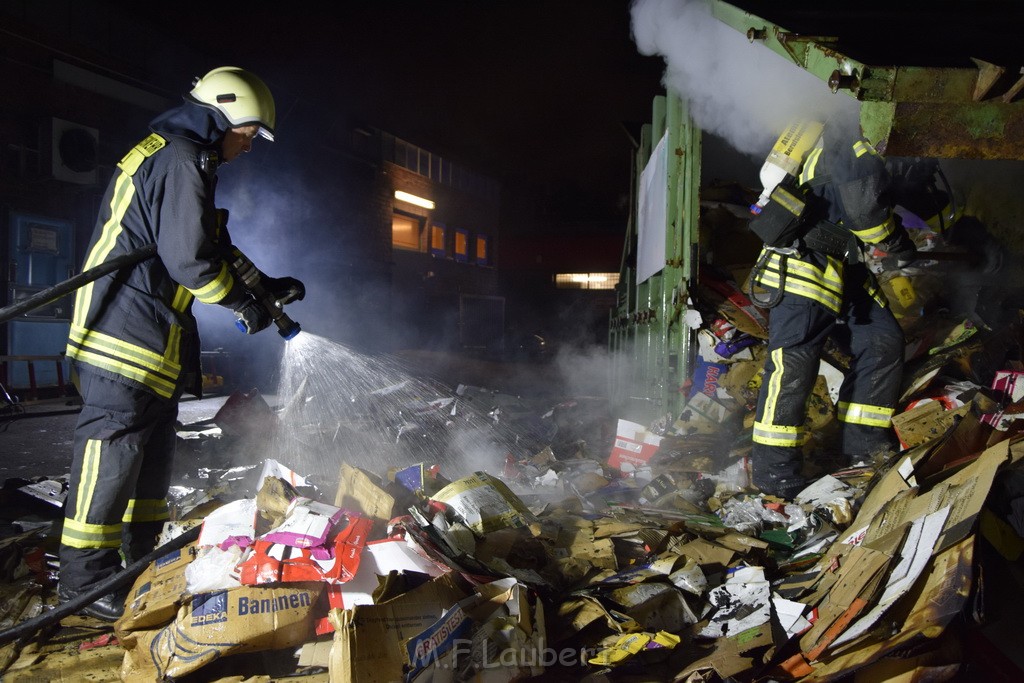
{"x": 925, "y": 422}
{"x": 968, "y": 437}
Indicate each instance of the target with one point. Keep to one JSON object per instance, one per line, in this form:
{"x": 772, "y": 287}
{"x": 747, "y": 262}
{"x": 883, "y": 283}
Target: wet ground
{"x": 37, "y": 441}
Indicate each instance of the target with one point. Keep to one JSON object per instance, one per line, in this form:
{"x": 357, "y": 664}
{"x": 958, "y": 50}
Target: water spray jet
{"x": 366, "y": 411}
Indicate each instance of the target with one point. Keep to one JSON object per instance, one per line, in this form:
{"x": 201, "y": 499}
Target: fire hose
{"x": 28, "y": 628}
{"x": 85, "y": 277}
{"x": 287, "y": 327}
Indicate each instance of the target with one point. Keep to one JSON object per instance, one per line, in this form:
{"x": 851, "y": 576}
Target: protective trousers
{"x": 798, "y": 331}
{"x": 124, "y": 451}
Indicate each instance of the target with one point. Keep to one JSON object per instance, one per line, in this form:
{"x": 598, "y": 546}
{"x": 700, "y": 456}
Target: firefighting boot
{"x": 777, "y": 471}
{"x": 107, "y": 607}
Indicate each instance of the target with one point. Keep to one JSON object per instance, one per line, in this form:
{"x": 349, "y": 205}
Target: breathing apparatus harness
{"x": 789, "y": 217}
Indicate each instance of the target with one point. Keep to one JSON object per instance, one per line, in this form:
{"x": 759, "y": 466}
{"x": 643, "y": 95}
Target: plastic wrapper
{"x": 213, "y": 570}
{"x": 748, "y": 515}
{"x": 733, "y": 479}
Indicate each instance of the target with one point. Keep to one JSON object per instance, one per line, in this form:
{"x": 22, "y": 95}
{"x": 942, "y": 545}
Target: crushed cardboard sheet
{"x": 651, "y": 555}
{"x": 528, "y": 587}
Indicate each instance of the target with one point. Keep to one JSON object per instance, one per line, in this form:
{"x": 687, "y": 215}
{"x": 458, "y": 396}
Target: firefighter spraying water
{"x": 134, "y": 340}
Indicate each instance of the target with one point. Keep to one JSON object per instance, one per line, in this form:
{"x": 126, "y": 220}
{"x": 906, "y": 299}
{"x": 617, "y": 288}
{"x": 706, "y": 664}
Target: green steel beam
{"x": 682, "y": 262}
{"x": 652, "y": 347}
{"x": 965, "y": 113}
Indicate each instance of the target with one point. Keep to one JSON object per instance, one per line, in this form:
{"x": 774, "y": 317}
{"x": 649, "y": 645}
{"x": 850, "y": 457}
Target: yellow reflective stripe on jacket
{"x": 124, "y": 191}
{"x": 128, "y": 360}
{"x": 77, "y": 532}
{"x": 146, "y": 510}
{"x": 159, "y": 385}
{"x": 174, "y": 346}
{"x": 217, "y": 288}
{"x": 807, "y": 280}
{"x": 875, "y": 234}
{"x": 863, "y": 414}
{"x": 810, "y": 164}
{"x": 182, "y": 299}
{"x": 875, "y": 292}
{"x": 861, "y": 147}
{"x": 830, "y": 278}
{"x": 165, "y": 365}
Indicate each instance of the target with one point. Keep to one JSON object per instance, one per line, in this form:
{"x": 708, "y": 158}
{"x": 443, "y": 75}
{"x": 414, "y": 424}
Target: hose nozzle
{"x": 286, "y": 327}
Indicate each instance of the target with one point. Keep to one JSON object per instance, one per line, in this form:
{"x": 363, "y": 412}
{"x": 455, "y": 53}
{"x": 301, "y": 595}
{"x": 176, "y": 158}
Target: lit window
{"x": 437, "y": 247}
{"x": 482, "y": 253}
{"x": 461, "y": 246}
{"x": 405, "y": 231}
{"x": 586, "y": 280}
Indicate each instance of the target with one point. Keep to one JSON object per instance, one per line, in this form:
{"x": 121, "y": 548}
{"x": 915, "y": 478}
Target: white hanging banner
{"x": 651, "y": 214}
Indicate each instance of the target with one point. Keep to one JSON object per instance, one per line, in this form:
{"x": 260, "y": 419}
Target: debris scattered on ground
{"x": 590, "y": 547}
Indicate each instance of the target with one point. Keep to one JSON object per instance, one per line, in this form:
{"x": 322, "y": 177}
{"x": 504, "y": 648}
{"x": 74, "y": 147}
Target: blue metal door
{"x": 41, "y": 255}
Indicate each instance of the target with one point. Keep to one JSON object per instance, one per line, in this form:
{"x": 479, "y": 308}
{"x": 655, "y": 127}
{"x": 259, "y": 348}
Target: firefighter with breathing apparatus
{"x": 825, "y": 197}
{"x": 134, "y": 341}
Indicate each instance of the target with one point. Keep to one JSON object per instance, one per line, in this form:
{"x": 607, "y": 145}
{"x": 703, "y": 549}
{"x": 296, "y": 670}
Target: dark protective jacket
{"x": 851, "y": 181}
{"x": 136, "y": 325}
{"x": 850, "y": 189}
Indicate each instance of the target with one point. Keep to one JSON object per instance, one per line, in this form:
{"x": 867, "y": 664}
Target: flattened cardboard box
{"x": 222, "y": 623}
{"x": 370, "y": 640}
{"x": 493, "y": 636}
{"x": 157, "y": 593}
{"x": 701, "y": 415}
{"x": 925, "y": 422}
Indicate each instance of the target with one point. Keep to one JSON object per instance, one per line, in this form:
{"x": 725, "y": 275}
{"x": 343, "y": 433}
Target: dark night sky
{"x": 535, "y": 92}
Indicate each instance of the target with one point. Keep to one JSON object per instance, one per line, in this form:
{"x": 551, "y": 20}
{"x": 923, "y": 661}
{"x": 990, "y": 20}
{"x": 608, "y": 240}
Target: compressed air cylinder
{"x": 786, "y": 156}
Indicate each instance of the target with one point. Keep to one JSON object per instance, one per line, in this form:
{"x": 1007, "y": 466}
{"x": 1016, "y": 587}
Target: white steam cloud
{"x": 740, "y": 91}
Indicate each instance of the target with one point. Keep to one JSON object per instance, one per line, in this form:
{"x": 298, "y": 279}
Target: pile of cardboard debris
{"x": 643, "y": 556}
{"x": 572, "y": 569}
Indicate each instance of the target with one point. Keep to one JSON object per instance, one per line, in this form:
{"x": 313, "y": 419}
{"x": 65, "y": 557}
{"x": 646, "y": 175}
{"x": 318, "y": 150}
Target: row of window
{"x": 437, "y": 168}
{"x": 442, "y": 242}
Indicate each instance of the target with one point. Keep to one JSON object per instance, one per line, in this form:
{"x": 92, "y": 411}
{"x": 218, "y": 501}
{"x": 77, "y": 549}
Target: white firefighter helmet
{"x": 241, "y": 96}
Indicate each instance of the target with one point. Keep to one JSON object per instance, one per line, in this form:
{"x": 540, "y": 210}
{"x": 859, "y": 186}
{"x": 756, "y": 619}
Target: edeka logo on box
{"x": 168, "y": 559}
{"x": 209, "y": 608}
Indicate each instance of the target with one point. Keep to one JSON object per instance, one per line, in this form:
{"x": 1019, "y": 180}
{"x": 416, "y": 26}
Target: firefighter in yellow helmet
{"x": 134, "y": 341}
{"x": 836, "y": 201}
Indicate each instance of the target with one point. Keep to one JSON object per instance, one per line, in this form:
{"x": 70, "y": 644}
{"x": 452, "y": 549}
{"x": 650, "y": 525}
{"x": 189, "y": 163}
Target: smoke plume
{"x": 738, "y": 90}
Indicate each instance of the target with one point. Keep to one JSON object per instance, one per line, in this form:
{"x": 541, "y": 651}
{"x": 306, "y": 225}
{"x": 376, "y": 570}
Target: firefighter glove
{"x": 900, "y": 251}
{"x": 252, "y": 317}
{"x": 284, "y": 289}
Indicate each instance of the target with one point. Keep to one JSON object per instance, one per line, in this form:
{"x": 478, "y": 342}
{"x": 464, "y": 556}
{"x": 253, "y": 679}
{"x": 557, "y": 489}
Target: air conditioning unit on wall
{"x": 68, "y": 151}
